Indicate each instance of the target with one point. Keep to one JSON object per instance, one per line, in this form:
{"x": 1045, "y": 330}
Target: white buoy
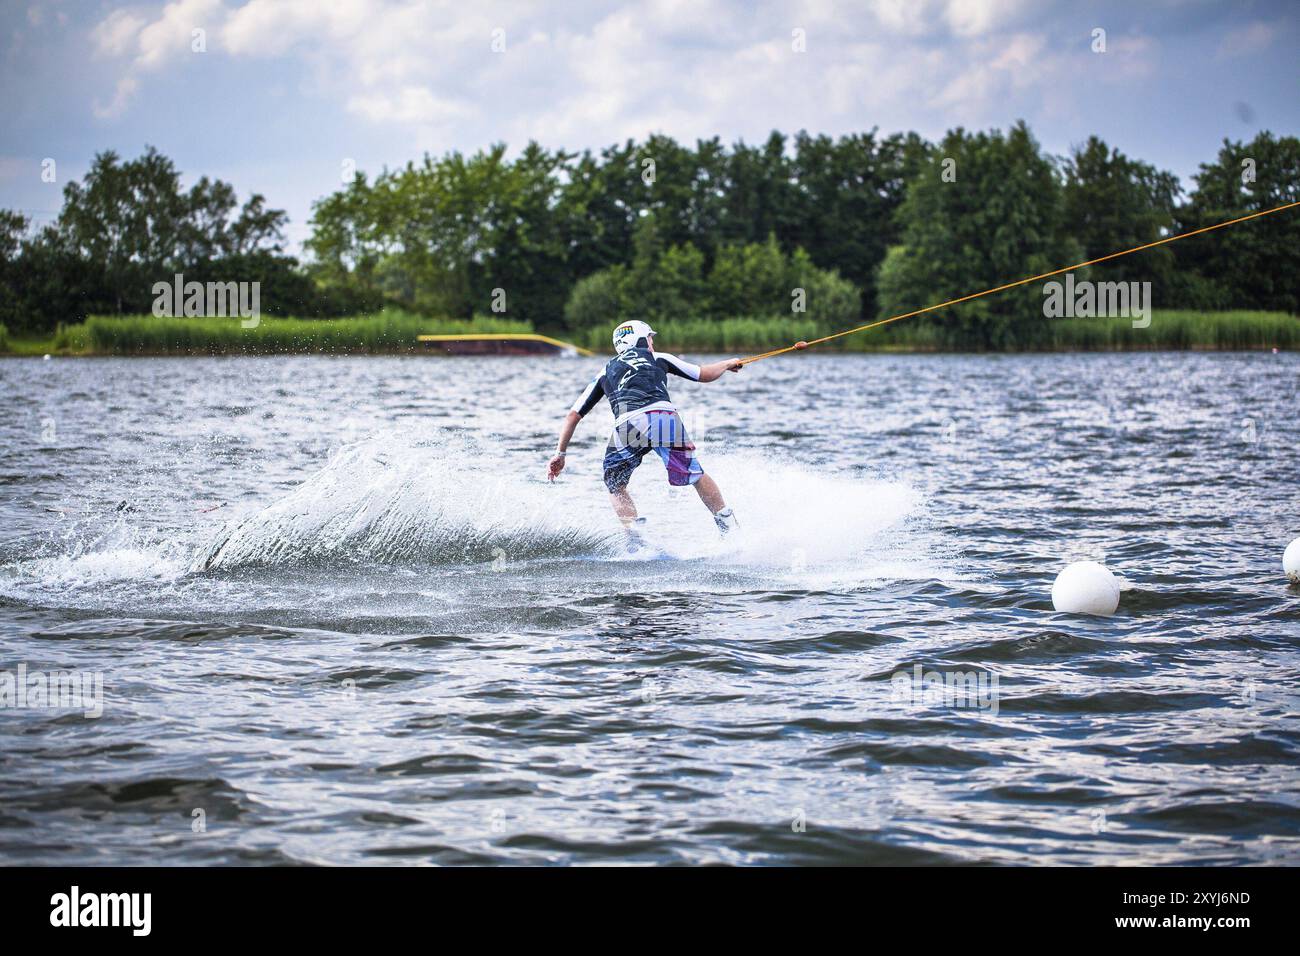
{"x": 1087, "y": 587}
{"x": 1291, "y": 561}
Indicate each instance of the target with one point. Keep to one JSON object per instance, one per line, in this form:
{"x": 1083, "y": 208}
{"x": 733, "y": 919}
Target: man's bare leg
{"x": 623, "y": 506}
{"x": 710, "y": 494}
{"x": 626, "y": 511}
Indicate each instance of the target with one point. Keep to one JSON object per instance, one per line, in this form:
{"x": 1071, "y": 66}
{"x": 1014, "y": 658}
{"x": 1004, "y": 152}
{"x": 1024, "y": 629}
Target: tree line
{"x": 829, "y": 229}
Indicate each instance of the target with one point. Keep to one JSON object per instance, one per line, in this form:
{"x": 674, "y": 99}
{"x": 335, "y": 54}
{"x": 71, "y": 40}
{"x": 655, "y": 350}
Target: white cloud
{"x": 977, "y": 18}
{"x": 123, "y": 91}
{"x": 116, "y": 34}
{"x": 273, "y": 27}
{"x": 150, "y": 43}
{"x": 411, "y": 104}
{"x": 995, "y": 68}
{"x": 1252, "y": 38}
{"x": 962, "y": 18}
{"x": 584, "y": 71}
{"x": 904, "y": 17}
{"x": 170, "y": 36}
{"x": 625, "y": 70}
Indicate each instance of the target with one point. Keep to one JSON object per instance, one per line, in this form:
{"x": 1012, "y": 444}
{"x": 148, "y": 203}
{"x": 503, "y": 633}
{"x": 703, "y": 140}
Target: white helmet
{"x": 632, "y": 335}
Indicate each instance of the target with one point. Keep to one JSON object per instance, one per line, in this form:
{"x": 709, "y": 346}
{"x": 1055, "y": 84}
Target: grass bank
{"x": 387, "y": 332}
{"x": 393, "y": 332}
{"x": 1169, "y": 329}
{"x": 68, "y": 340}
{"x": 1175, "y": 329}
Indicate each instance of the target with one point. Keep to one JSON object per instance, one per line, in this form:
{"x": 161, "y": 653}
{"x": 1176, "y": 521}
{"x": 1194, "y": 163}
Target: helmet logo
{"x": 635, "y": 334}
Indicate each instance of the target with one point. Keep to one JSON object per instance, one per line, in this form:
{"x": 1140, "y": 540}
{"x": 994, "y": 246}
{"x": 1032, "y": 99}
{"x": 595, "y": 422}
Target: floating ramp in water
{"x": 501, "y": 343}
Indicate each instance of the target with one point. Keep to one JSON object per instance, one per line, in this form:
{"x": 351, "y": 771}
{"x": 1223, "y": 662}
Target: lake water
{"x": 409, "y": 648}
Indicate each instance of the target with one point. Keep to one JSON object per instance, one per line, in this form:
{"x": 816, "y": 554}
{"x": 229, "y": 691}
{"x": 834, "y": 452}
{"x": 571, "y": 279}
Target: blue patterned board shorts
{"x": 660, "y": 430}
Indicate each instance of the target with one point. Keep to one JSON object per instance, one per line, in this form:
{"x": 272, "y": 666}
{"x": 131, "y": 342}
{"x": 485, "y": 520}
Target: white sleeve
{"x": 592, "y": 394}
{"x": 671, "y": 363}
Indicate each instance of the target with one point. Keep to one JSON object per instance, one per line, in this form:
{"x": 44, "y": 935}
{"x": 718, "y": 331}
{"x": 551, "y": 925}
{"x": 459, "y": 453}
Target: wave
{"x": 79, "y": 557}
{"x": 409, "y": 502}
{"x": 404, "y": 502}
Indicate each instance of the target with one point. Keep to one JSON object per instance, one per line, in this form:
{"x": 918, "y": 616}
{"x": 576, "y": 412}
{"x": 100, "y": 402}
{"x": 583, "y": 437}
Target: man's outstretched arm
{"x": 696, "y": 373}
{"x": 592, "y": 394}
{"x": 566, "y": 433}
{"x": 714, "y": 370}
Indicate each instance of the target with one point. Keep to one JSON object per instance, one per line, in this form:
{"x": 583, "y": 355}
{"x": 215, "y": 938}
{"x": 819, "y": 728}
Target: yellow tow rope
{"x": 799, "y": 346}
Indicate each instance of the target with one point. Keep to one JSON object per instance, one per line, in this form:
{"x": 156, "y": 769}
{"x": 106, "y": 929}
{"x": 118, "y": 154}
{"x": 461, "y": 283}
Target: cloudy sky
{"x": 284, "y": 93}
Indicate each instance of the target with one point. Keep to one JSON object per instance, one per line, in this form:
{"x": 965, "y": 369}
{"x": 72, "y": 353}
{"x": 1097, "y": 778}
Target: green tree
{"x": 1255, "y": 265}
{"x": 1113, "y": 202}
{"x": 830, "y": 299}
{"x": 126, "y": 220}
{"x": 762, "y": 198}
{"x": 661, "y": 282}
{"x": 132, "y": 224}
{"x": 1001, "y": 219}
{"x": 747, "y": 279}
{"x": 345, "y": 249}
{"x": 599, "y": 299}
{"x": 13, "y": 227}
{"x": 527, "y": 257}
{"x": 443, "y": 235}
{"x": 849, "y": 191}
{"x": 767, "y": 285}
{"x": 128, "y": 224}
